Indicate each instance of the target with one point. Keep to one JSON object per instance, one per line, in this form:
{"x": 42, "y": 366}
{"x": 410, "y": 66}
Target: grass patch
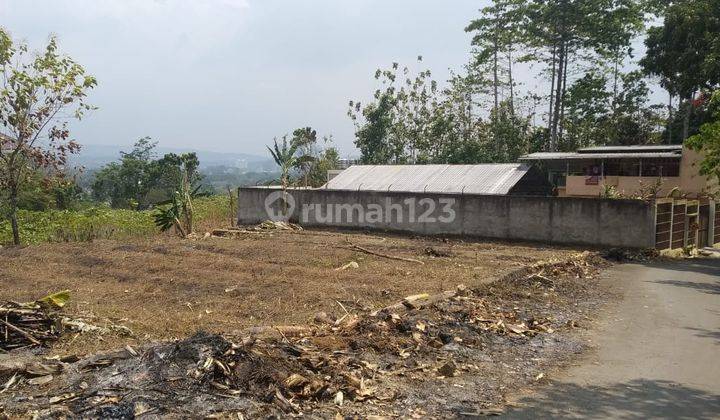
{"x": 105, "y": 223}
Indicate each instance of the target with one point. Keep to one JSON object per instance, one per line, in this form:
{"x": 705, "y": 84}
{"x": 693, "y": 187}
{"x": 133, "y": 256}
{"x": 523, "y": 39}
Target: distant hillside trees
{"x": 305, "y": 155}
{"x": 39, "y": 95}
{"x": 139, "y": 180}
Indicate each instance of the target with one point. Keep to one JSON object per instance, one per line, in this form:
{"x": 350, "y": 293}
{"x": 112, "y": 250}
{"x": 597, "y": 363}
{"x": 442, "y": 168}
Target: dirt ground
{"x": 449, "y": 352}
{"x": 163, "y": 288}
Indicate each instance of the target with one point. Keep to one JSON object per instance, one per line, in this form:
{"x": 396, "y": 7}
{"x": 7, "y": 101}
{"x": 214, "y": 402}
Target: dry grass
{"x": 166, "y": 288}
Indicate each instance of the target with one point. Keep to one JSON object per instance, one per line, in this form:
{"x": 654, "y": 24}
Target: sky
{"x": 230, "y": 75}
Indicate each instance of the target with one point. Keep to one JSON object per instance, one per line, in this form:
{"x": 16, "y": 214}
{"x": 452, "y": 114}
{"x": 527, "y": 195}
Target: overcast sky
{"x": 232, "y": 74}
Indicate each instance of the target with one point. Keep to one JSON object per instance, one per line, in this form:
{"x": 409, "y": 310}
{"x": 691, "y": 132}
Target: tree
{"x": 286, "y": 157}
{"x": 564, "y": 33}
{"x": 178, "y": 210}
{"x": 373, "y": 135}
{"x": 326, "y": 160}
{"x": 685, "y": 52}
{"x": 707, "y": 141}
{"x": 306, "y": 140}
{"x": 316, "y": 158}
{"x": 125, "y": 184}
{"x": 37, "y": 96}
{"x": 140, "y": 181}
{"x": 587, "y": 112}
{"x": 396, "y": 125}
{"x": 497, "y": 32}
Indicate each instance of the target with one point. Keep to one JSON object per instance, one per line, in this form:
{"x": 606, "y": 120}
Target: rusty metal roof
{"x": 495, "y": 179}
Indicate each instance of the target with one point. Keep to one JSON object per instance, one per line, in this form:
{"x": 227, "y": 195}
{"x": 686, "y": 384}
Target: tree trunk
{"x": 495, "y": 94}
{"x": 510, "y": 80}
{"x": 13, "y": 214}
{"x": 552, "y": 92}
{"x": 495, "y": 71}
{"x": 561, "y": 122}
{"x": 558, "y": 99}
{"x": 686, "y": 117}
{"x": 616, "y": 71}
{"x": 670, "y": 117}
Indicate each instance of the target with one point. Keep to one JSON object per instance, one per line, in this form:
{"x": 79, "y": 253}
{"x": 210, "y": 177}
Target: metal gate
{"x": 681, "y": 223}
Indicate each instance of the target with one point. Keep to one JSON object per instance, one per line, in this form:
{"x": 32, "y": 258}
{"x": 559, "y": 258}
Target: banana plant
{"x": 178, "y": 210}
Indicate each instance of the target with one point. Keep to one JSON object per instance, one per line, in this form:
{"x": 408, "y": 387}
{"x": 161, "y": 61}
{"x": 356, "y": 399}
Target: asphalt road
{"x": 657, "y": 350}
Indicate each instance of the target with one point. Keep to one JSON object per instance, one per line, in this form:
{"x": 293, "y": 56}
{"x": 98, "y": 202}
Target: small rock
{"x": 339, "y": 398}
{"x": 448, "y": 369}
{"x": 351, "y": 264}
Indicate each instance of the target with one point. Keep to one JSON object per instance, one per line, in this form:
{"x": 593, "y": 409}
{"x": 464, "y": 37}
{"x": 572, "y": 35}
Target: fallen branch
{"x": 417, "y": 301}
{"x": 22, "y": 332}
{"x": 283, "y": 330}
{"x": 379, "y": 254}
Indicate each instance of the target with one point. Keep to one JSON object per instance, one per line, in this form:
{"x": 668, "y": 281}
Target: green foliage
{"x": 168, "y": 216}
{"x": 304, "y": 154}
{"x": 178, "y": 210}
{"x": 103, "y": 222}
{"x": 84, "y": 225}
{"x": 685, "y": 51}
{"x": 373, "y": 136}
{"x": 323, "y": 161}
{"x": 685, "y": 54}
{"x": 563, "y": 36}
{"x": 138, "y": 180}
{"x": 707, "y": 141}
{"x": 38, "y": 95}
{"x": 285, "y": 156}
{"x": 610, "y": 191}
{"x": 594, "y": 115}
{"x": 411, "y": 121}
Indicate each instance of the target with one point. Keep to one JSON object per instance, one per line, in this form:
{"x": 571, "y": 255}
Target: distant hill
{"x": 93, "y": 156}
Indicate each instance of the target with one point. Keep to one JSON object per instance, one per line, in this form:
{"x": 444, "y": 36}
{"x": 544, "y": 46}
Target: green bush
{"x": 102, "y": 222}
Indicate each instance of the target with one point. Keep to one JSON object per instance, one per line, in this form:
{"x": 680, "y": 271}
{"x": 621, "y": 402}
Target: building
{"x": 491, "y": 179}
{"x": 629, "y": 169}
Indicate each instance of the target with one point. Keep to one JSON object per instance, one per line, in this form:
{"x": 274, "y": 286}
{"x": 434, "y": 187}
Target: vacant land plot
{"x": 165, "y": 288}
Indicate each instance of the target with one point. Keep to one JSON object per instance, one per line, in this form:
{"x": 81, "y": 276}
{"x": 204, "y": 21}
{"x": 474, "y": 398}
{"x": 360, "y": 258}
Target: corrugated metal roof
{"x": 564, "y": 156}
{"x": 631, "y": 149}
{"x": 471, "y": 179}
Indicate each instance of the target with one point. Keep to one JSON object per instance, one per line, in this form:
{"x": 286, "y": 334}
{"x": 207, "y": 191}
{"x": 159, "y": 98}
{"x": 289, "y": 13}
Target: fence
{"x": 682, "y": 223}
{"x": 558, "y": 220}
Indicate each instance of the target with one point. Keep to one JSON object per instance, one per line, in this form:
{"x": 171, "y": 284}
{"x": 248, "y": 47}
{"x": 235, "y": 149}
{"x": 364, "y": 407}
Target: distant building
{"x": 345, "y": 163}
{"x": 494, "y": 179}
{"x": 586, "y": 172}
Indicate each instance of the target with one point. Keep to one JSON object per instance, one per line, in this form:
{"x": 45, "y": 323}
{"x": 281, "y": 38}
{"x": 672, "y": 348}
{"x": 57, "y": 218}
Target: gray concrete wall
{"x": 604, "y": 222}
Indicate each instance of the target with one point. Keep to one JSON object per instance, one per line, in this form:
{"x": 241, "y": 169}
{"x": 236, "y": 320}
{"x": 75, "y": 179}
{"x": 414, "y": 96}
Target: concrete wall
{"x": 627, "y": 223}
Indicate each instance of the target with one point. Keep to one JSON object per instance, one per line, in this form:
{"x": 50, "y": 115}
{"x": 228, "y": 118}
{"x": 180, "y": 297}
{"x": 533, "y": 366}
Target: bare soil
{"x": 162, "y": 288}
{"x": 336, "y": 342}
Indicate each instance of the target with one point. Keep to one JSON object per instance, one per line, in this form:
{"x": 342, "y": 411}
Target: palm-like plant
{"x": 178, "y": 210}
{"x": 286, "y": 157}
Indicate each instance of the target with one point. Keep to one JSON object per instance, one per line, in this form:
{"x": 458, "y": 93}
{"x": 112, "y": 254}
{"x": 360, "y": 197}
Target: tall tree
{"x": 707, "y": 141}
{"x": 496, "y": 33}
{"x": 685, "y": 52}
{"x": 36, "y": 98}
{"x": 564, "y": 33}
{"x": 396, "y": 125}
